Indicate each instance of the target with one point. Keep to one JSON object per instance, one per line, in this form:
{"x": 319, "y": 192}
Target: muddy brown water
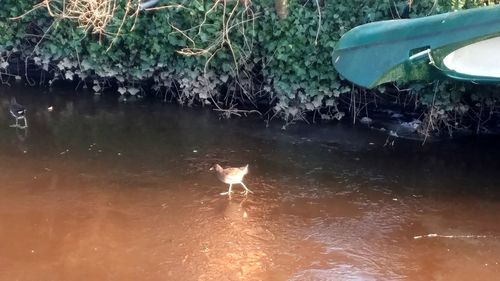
{"x": 100, "y": 190}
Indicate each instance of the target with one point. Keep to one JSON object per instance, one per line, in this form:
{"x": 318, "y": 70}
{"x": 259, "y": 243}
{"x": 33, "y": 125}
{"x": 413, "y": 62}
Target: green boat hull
{"x": 421, "y": 49}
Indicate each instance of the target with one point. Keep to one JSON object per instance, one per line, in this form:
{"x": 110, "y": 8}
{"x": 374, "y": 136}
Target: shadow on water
{"x": 98, "y": 190}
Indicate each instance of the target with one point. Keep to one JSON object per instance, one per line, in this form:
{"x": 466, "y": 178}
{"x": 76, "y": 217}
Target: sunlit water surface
{"x": 98, "y": 190}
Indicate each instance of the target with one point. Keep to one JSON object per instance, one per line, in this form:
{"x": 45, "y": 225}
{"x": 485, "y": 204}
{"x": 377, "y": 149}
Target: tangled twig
{"x": 93, "y": 16}
{"x": 223, "y": 37}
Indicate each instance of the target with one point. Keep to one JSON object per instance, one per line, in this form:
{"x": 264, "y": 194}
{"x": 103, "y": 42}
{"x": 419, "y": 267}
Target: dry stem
{"x": 92, "y": 16}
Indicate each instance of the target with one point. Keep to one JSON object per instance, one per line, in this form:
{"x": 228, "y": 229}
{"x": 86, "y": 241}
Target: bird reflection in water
{"x": 22, "y": 136}
{"x": 241, "y": 253}
{"x": 235, "y": 211}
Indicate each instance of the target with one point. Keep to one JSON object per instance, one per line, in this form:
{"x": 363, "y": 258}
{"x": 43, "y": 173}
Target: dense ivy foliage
{"x": 230, "y": 53}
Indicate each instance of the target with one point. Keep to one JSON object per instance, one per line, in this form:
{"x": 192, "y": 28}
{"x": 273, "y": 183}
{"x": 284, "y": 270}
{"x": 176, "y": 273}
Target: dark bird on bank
{"x": 231, "y": 176}
{"x": 18, "y": 112}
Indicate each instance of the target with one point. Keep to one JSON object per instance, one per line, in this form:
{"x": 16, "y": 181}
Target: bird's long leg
{"x": 229, "y": 190}
{"x": 15, "y": 125}
{"x": 25, "y": 121}
{"x": 246, "y": 189}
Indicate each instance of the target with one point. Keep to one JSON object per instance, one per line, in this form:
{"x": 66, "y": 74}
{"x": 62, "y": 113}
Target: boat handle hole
{"x": 419, "y": 53}
{"x": 418, "y": 50}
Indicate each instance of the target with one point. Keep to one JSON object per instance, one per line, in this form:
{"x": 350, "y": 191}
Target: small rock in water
{"x": 411, "y": 126}
{"x": 366, "y": 120}
{"x": 50, "y": 108}
{"x": 396, "y": 115}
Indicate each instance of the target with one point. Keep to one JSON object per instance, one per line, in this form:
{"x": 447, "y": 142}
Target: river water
{"x": 101, "y": 190}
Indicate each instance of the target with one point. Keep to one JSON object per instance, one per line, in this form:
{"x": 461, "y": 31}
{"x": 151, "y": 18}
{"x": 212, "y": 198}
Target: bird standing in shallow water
{"x": 18, "y": 112}
{"x": 231, "y": 176}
